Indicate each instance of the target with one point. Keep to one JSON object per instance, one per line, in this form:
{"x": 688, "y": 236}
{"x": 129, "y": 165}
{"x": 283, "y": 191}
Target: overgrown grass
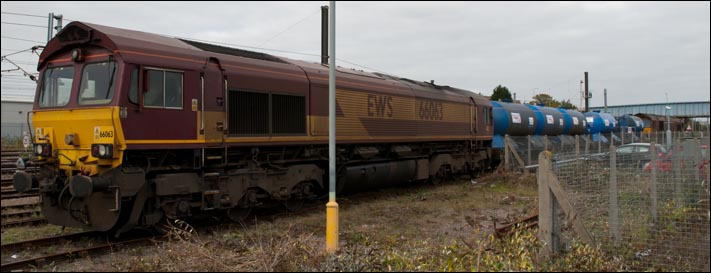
{"x": 24, "y": 233}
{"x": 424, "y": 228}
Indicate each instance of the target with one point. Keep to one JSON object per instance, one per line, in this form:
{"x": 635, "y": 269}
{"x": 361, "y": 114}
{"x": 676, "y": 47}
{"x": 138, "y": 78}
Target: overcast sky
{"x": 638, "y": 51}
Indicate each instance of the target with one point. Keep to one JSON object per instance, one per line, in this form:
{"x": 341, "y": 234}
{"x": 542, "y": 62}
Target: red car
{"x": 665, "y": 164}
{"x": 662, "y": 165}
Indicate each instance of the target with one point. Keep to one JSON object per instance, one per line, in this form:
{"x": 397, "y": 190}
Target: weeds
{"x": 439, "y": 228}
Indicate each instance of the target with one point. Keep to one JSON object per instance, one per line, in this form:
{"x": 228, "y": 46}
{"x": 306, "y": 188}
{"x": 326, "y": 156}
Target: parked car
{"x": 633, "y": 155}
{"x": 661, "y": 166}
{"x": 666, "y": 164}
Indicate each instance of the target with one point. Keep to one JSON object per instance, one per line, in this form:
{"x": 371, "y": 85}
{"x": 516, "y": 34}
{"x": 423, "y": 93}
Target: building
{"x": 14, "y": 117}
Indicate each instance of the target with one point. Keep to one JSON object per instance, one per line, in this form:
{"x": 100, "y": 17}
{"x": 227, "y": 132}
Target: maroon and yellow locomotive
{"x": 132, "y": 128}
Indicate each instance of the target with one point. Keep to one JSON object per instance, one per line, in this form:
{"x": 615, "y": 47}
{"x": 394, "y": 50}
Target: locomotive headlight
{"x": 43, "y": 149}
{"x": 102, "y": 150}
{"x": 77, "y": 55}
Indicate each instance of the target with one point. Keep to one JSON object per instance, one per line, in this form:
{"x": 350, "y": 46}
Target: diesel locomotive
{"x": 131, "y": 128}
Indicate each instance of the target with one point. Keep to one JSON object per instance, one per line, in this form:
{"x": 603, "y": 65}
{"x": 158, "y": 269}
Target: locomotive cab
{"x": 77, "y": 139}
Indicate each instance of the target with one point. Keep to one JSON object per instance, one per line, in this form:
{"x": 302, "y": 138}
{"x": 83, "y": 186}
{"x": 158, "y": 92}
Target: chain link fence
{"x": 645, "y": 204}
{"x": 12, "y": 134}
{"x": 521, "y": 152}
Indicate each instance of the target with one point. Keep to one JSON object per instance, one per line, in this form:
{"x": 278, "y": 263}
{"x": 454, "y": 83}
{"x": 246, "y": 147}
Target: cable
{"x": 206, "y": 41}
{"x": 25, "y": 63}
{"x": 19, "y": 24}
{"x": 10, "y": 49}
{"x": 13, "y": 38}
{"x": 18, "y": 52}
{"x": 23, "y": 14}
{"x": 253, "y": 47}
{"x": 28, "y": 74}
{"x": 12, "y": 76}
{"x": 373, "y": 69}
{"x": 293, "y": 25}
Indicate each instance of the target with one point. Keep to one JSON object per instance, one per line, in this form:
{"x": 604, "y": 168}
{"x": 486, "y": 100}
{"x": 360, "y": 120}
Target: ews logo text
{"x": 380, "y": 106}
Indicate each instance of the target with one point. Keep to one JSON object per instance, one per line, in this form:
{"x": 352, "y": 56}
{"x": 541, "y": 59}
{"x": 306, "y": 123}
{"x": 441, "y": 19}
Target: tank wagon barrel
{"x": 600, "y": 122}
{"x": 523, "y": 119}
{"x": 629, "y": 121}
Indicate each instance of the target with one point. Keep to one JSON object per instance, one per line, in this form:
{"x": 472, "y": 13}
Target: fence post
{"x": 528, "y": 137}
{"x": 599, "y": 143}
{"x": 547, "y": 218}
{"x": 507, "y": 153}
{"x": 614, "y": 220}
{"x": 545, "y": 142}
{"x": 678, "y": 180}
{"x": 697, "y": 160}
{"x": 587, "y": 144}
{"x": 577, "y": 146}
{"x": 653, "y": 185}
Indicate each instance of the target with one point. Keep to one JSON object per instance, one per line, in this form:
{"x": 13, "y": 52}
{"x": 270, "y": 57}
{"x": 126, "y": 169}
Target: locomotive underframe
{"x": 152, "y": 185}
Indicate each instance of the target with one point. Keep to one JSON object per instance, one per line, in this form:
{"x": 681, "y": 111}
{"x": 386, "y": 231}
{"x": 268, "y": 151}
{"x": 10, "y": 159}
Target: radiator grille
{"x": 253, "y": 113}
{"x": 249, "y": 113}
{"x": 288, "y": 114}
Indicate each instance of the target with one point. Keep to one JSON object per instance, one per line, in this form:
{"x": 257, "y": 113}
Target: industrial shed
{"x": 14, "y": 117}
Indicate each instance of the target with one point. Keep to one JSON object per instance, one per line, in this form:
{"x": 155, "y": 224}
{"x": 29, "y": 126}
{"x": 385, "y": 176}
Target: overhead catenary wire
{"x": 199, "y": 40}
{"x": 26, "y": 62}
{"x": 288, "y": 28}
{"x": 67, "y": 20}
{"x": 21, "y": 24}
{"x": 24, "y": 14}
{"x": 18, "y": 52}
{"x": 19, "y": 39}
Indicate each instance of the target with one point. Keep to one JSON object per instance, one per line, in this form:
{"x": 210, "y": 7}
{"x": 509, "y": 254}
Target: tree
{"x": 547, "y": 100}
{"x": 501, "y": 93}
{"x": 567, "y": 105}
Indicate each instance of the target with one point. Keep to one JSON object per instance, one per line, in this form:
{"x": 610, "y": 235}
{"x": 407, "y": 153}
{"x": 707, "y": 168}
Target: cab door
{"x": 473, "y": 116}
{"x": 212, "y": 103}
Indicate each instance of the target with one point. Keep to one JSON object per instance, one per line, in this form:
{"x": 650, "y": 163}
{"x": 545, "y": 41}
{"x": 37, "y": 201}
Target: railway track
{"x": 19, "y": 256}
{"x": 17, "y": 208}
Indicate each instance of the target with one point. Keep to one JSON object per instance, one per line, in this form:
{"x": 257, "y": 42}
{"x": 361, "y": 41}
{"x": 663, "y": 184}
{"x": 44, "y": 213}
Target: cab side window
{"x": 133, "y": 87}
{"x": 164, "y": 90}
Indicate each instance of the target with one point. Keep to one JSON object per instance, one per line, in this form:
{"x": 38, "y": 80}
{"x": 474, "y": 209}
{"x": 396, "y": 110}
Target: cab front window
{"x": 56, "y": 86}
{"x": 97, "y": 83}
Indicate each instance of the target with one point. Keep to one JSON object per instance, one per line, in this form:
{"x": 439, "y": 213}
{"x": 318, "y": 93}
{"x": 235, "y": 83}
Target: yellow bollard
{"x": 331, "y": 227}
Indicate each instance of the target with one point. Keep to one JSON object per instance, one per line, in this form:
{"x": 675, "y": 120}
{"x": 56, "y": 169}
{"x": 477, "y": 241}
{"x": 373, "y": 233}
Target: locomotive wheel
{"x": 238, "y": 214}
{"x": 293, "y": 204}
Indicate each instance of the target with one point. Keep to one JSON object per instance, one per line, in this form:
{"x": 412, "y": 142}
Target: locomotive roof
{"x": 123, "y": 40}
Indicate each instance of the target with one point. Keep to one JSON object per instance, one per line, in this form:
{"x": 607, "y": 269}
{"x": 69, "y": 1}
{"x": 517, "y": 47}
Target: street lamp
{"x": 669, "y": 142}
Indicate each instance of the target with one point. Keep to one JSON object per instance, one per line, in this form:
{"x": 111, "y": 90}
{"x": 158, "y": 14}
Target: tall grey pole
{"x": 332, "y": 206}
{"x": 669, "y": 138}
{"x": 324, "y": 35}
{"x": 332, "y": 103}
{"x": 668, "y": 108}
{"x": 587, "y": 94}
{"x": 605, "y": 100}
{"x": 50, "y": 26}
